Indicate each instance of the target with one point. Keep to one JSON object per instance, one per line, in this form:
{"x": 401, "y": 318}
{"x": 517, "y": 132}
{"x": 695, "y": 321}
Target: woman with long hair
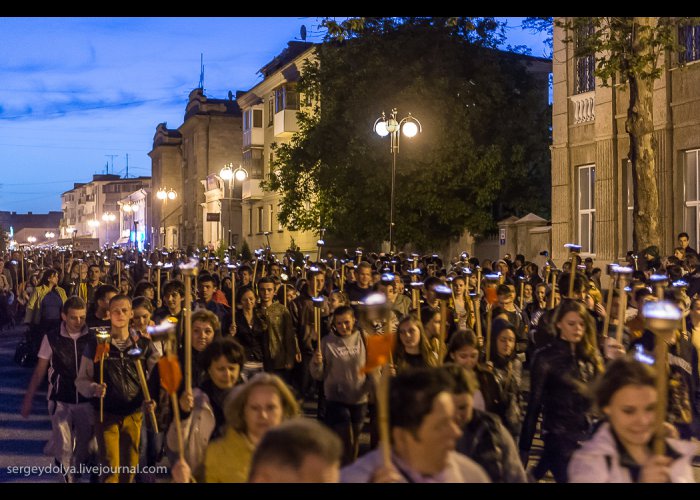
{"x": 413, "y": 349}
{"x": 250, "y": 332}
{"x": 462, "y": 304}
{"x": 507, "y": 369}
{"x": 620, "y": 451}
{"x": 560, "y": 374}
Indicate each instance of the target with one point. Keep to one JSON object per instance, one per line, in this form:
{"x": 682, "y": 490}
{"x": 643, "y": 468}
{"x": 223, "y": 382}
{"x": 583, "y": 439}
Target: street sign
{"x": 213, "y": 217}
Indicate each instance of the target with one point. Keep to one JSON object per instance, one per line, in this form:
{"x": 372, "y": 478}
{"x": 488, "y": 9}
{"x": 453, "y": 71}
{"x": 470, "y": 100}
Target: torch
{"x": 610, "y": 271}
{"x": 661, "y": 318}
{"x": 443, "y": 293}
{"x": 622, "y": 274}
{"x": 491, "y": 297}
{"x": 103, "y": 340}
{"x": 189, "y": 271}
{"x": 135, "y": 355}
{"x": 574, "y": 250}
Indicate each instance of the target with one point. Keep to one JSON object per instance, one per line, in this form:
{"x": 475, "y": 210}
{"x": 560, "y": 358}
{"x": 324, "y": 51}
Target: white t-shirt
{"x": 45, "y": 350}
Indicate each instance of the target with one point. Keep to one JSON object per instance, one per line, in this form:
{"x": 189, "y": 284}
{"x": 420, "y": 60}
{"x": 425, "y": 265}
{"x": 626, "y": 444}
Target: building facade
{"x": 208, "y": 139}
{"x": 269, "y": 116}
{"x": 91, "y": 210}
{"x": 592, "y": 192}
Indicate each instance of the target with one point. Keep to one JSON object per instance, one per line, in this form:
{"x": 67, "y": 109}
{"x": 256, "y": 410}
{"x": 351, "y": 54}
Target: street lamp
{"x": 31, "y": 240}
{"x": 109, "y": 217}
{"x": 410, "y": 126}
{"x": 49, "y": 234}
{"x": 165, "y": 195}
{"x": 231, "y": 175}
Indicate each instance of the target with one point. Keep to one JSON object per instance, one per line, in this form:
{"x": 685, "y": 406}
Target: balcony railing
{"x": 253, "y": 137}
{"x": 583, "y": 107}
{"x": 286, "y": 123}
{"x": 251, "y": 190}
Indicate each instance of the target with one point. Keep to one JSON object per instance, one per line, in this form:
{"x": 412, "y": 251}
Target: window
{"x": 261, "y": 220}
{"x": 692, "y": 196}
{"x": 246, "y": 120}
{"x": 689, "y": 39}
{"x": 253, "y": 163}
{"x": 257, "y": 118}
{"x": 271, "y": 214}
{"x": 629, "y": 203}
{"x": 250, "y": 221}
{"x": 280, "y": 227}
{"x": 586, "y": 208}
{"x": 585, "y": 65}
{"x": 286, "y": 97}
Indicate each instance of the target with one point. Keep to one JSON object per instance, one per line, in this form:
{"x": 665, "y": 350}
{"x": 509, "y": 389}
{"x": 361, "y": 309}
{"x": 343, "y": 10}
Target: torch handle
{"x": 187, "y": 316}
{"x": 443, "y": 329}
{"x": 608, "y": 308}
{"x": 178, "y": 425}
{"x": 622, "y": 308}
{"x": 102, "y": 381}
{"x": 146, "y": 395}
{"x": 660, "y": 353}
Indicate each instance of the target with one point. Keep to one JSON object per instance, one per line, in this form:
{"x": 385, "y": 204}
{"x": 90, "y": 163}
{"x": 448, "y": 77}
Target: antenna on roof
{"x": 201, "y": 71}
{"x": 112, "y": 157}
{"x": 302, "y": 32}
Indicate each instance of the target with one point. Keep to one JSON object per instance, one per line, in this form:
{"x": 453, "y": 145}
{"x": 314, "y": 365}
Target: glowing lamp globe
{"x": 410, "y": 129}
{"x": 380, "y": 129}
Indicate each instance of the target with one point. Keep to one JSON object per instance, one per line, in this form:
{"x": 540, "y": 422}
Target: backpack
{"x": 25, "y": 355}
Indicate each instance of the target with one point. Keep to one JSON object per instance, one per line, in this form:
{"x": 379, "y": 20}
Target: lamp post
{"x": 164, "y": 194}
{"x": 132, "y": 208}
{"x": 392, "y": 126}
{"x": 231, "y": 175}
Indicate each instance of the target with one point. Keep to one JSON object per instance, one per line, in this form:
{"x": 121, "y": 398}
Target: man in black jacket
{"x": 118, "y": 436}
{"x": 71, "y": 413}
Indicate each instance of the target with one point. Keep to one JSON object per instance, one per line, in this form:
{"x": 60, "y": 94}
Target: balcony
{"x": 286, "y": 123}
{"x": 253, "y": 137}
{"x": 583, "y": 107}
{"x": 251, "y": 190}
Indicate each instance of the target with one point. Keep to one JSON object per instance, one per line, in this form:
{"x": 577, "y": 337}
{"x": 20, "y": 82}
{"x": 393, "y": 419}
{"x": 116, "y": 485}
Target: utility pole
{"x": 127, "y": 166}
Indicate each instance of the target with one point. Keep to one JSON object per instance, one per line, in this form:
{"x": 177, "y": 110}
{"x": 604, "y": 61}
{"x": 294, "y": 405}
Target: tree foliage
{"x": 483, "y": 153}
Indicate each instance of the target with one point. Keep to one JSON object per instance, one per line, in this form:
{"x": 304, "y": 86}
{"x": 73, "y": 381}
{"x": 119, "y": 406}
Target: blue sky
{"x": 75, "y": 90}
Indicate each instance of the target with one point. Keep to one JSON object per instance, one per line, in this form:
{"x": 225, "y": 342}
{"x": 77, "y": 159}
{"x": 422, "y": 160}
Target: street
{"x": 21, "y": 441}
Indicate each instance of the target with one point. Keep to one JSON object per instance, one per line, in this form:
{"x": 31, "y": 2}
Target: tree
{"x": 483, "y": 153}
{"x": 245, "y": 251}
{"x": 627, "y": 51}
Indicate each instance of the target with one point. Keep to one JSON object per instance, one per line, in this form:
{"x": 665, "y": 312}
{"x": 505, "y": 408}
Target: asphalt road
{"x": 22, "y": 440}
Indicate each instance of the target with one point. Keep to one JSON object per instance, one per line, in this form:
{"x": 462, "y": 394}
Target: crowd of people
{"x": 483, "y": 355}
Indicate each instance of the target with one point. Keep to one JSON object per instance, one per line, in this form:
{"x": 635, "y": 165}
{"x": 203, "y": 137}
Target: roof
{"x": 18, "y": 222}
{"x": 293, "y": 49}
{"x": 199, "y": 104}
{"x": 531, "y": 218}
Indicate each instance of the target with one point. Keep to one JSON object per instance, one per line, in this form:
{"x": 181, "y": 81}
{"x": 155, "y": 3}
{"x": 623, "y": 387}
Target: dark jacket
{"x": 682, "y": 379}
{"x": 65, "y": 362}
{"x": 124, "y": 395}
{"x": 559, "y": 383}
{"x": 486, "y": 441}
